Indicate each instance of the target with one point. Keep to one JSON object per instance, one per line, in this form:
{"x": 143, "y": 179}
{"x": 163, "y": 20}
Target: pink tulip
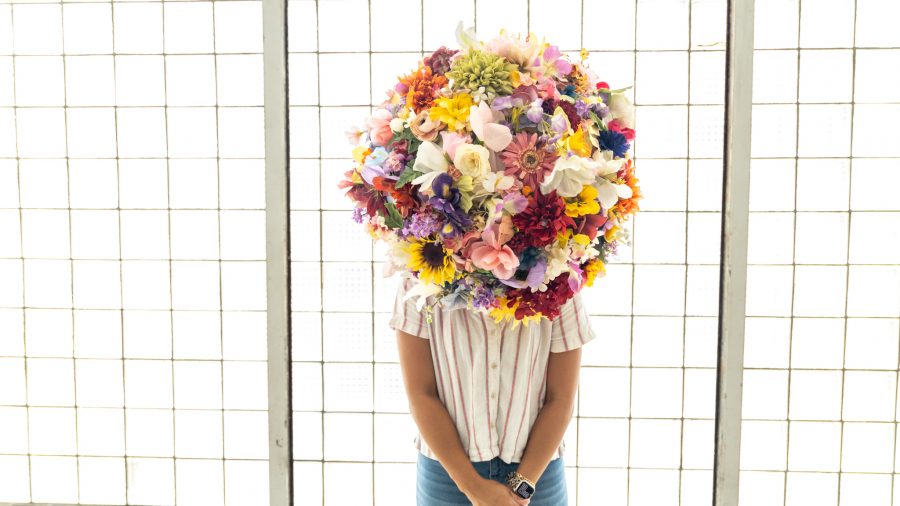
{"x": 492, "y": 254}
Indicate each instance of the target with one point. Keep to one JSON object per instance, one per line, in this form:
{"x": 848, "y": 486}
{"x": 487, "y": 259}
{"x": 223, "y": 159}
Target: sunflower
{"x": 431, "y": 261}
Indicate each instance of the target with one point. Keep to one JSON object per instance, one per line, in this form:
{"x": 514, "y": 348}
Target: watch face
{"x": 524, "y": 490}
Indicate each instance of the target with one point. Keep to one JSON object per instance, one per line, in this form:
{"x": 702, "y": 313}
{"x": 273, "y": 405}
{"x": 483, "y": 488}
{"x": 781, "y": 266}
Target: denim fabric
{"x": 434, "y": 487}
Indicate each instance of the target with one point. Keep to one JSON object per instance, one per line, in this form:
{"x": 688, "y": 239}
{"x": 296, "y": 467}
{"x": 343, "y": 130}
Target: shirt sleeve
{"x": 405, "y": 316}
{"x": 572, "y": 328}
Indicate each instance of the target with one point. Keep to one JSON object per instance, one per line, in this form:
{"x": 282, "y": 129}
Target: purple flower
{"x": 448, "y": 200}
{"x": 422, "y": 224}
{"x": 358, "y": 213}
{"x": 558, "y": 123}
{"x": 582, "y": 108}
{"x": 483, "y": 297}
{"x": 536, "y": 273}
{"x": 501, "y": 103}
{"x": 552, "y": 55}
{"x": 535, "y": 111}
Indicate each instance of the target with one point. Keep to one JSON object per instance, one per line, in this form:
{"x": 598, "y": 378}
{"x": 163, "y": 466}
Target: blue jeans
{"x": 434, "y": 487}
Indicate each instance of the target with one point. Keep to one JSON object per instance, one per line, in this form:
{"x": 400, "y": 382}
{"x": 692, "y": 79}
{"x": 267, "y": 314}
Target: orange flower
{"x": 629, "y": 205}
{"x": 423, "y": 86}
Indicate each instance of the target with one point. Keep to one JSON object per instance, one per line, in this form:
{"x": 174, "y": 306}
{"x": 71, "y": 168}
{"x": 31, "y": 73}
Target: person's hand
{"x": 491, "y": 493}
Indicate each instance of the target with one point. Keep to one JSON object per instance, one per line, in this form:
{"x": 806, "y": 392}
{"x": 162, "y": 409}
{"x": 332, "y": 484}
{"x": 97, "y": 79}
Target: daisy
{"x": 525, "y": 159}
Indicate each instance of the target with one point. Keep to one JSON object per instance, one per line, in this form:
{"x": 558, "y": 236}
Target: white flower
{"x": 397, "y": 125}
{"x": 608, "y": 192}
{"x": 421, "y": 291}
{"x": 431, "y": 162}
{"x": 496, "y": 181}
{"x": 569, "y": 176}
{"x": 472, "y": 160}
{"x": 622, "y": 109}
{"x": 557, "y": 262}
{"x": 485, "y": 124}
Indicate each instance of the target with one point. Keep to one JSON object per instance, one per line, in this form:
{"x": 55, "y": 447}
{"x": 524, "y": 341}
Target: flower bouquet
{"x": 498, "y": 174}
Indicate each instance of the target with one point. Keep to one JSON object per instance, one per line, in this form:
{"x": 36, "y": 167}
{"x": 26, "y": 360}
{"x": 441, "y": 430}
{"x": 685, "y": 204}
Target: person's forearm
{"x": 546, "y": 434}
{"x": 439, "y": 432}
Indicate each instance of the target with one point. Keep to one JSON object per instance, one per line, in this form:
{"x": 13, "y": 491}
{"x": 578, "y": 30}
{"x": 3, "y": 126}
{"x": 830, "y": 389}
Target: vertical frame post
{"x": 278, "y": 295}
{"x": 733, "y": 267}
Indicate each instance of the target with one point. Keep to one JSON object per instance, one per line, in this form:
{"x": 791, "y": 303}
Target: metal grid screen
{"x": 643, "y": 432}
{"x": 132, "y": 274}
{"x": 132, "y": 247}
{"x": 823, "y": 288}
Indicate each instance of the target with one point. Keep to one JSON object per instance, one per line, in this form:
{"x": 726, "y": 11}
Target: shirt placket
{"x": 493, "y": 349}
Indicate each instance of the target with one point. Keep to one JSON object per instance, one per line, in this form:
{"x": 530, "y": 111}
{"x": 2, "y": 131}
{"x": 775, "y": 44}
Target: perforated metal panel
{"x": 132, "y": 300}
{"x": 823, "y": 296}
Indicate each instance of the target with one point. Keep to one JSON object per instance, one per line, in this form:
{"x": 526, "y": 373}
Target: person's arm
{"x": 554, "y": 416}
{"x": 437, "y": 427}
{"x": 429, "y": 412}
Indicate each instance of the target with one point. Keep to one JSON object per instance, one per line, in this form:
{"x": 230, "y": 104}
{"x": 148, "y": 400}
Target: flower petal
{"x": 606, "y": 193}
{"x": 430, "y": 157}
{"x": 496, "y": 136}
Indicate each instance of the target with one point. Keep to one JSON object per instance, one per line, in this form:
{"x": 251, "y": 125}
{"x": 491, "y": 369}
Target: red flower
{"x": 589, "y": 224}
{"x": 541, "y": 221}
{"x": 369, "y": 197}
{"x": 547, "y": 302}
{"x": 403, "y": 196}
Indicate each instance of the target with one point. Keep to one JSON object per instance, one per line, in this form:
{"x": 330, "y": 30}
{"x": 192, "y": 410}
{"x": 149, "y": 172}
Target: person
{"x": 491, "y": 401}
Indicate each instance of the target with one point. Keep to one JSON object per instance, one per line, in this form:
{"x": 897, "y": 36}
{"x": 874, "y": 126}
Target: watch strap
{"x": 514, "y": 479}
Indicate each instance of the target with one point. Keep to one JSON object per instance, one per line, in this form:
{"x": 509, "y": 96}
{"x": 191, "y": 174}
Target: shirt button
{"x": 493, "y": 365}
{"x": 493, "y": 395}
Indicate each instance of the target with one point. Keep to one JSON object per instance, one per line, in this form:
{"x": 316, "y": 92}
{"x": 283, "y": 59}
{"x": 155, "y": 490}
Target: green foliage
{"x": 393, "y": 218}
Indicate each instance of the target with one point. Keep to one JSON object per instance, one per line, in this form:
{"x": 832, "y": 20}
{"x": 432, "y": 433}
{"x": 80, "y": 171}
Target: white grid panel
{"x": 643, "y": 432}
{"x": 132, "y": 274}
{"x": 823, "y": 295}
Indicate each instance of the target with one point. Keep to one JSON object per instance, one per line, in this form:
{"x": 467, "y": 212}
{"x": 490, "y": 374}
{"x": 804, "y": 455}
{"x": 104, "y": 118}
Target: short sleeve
{"x": 572, "y": 328}
{"x": 405, "y": 316}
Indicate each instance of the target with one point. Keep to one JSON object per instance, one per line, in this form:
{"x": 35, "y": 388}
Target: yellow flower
{"x": 507, "y": 311}
{"x": 452, "y": 111}
{"x": 578, "y": 143}
{"x": 584, "y": 203}
{"x": 360, "y": 153}
{"x": 504, "y": 311}
{"x": 592, "y": 269}
{"x": 610, "y": 235}
{"x": 433, "y": 263}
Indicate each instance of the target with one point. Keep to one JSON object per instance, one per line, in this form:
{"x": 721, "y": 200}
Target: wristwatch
{"x": 520, "y": 485}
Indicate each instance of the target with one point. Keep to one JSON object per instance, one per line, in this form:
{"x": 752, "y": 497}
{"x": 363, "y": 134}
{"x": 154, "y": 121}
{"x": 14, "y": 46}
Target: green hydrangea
{"x": 477, "y": 69}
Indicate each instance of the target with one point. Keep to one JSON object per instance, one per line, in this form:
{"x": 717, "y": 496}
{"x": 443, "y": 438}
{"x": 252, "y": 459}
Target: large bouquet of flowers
{"x": 499, "y": 175}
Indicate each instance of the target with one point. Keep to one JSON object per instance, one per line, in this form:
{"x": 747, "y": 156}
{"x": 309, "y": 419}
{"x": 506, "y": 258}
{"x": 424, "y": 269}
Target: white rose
{"x": 396, "y": 125}
{"x": 472, "y": 160}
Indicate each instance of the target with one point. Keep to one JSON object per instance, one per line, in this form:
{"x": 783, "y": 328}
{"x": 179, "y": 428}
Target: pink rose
{"x": 452, "y": 140}
{"x": 379, "y": 126}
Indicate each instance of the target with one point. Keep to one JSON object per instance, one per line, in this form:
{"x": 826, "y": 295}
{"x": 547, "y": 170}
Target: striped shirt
{"x": 491, "y": 377}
